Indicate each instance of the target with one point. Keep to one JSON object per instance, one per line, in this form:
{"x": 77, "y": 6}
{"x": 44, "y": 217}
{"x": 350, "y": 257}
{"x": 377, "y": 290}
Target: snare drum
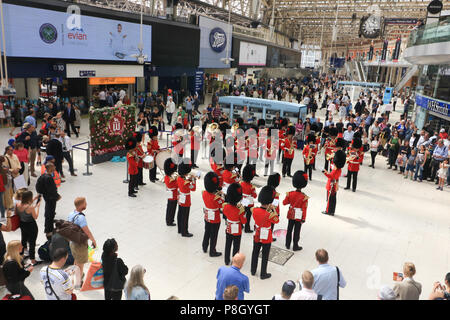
{"x": 149, "y": 162}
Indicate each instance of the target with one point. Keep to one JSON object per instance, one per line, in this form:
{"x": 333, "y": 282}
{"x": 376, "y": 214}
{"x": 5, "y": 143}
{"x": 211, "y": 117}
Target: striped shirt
{"x": 60, "y": 282}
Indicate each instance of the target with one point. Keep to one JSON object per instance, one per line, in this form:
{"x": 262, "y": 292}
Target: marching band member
{"x": 283, "y": 125}
{"x": 132, "y": 166}
{"x": 217, "y": 167}
{"x": 338, "y": 145}
{"x": 288, "y": 152}
{"x": 252, "y": 147}
{"x": 178, "y": 140}
{"x": 354, "y": 159}
{"x": 196, "y": 140}
{"x": 152, "y": 150}
{"x": 309, "y": 154}
{"x": 274, "y": 181}
{"x": 264, "y": 216}
{"x": 229, "y": 174}
{"x": 333, "y": 181}
{"x": 213, "y": 203}
{"x": 141, "y": 154}
{"x": 261, "y": 137}
{"x": 298, "y": 204}
{"x": 186, "y": 184}
{"x": 271, "y": 152}
{"x": 170, "y": 179}
{"x": 235, "y": 218}
{"x": 316, "y": 132}
{"x": 248, "y": 194}
{"x": 329, "y": 146}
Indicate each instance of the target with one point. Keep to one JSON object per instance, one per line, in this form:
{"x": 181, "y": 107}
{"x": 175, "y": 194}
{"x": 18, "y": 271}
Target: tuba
{"x": 212, "y": 128}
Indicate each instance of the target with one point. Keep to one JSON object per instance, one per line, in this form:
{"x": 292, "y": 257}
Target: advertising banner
{"x": 251, "y": 54}
{"x": 39, "y": 33}
{"x": 384, "y": 51}
{"x": 199, "y": 82}
{"x": 436, "y": 106}
{"x": 215, "y": 43}
{"x": 370, "y": 54}
{"x": 396, "y": 54}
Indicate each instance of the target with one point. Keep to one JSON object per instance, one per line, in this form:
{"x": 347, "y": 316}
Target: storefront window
{"x": 434, "y": 81}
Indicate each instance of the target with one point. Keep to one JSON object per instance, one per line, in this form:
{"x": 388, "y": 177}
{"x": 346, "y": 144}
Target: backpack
{"x": 40, "y": 185}
{"x": 71, "y": 231}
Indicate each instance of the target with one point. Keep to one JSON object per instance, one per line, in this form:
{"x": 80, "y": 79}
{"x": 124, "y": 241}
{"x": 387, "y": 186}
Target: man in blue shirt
{"x": 31, "y": 118}
{"x": 326, "y": 281}
{"x": 227, "y": 276}
{"x": 440, "y": 153}
{"x": 189, "y": 105}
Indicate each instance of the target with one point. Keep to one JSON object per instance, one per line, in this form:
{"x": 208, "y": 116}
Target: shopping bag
{"x": 15, "y": 222}
{"x": 19, "y": 182}
{"x": 94, "y": 277}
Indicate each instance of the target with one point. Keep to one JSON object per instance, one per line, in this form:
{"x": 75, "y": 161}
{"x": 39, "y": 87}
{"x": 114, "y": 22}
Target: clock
{"x": 370, "y": 27}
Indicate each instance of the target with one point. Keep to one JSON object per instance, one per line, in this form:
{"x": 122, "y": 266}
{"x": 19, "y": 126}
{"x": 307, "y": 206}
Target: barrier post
{"x": 126, "y": 176}
{"x": 71, "y": 155}
{"x": 87, "y": 173}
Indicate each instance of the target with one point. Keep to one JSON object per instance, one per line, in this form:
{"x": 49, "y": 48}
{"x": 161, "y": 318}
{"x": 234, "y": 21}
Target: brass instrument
{"x": 212, "y": 128}
{"x": 352, "y": 156}
{"x": 219, "y": 195}
{"x": 309, "y": 157}
{"x": 234, "y": 127}
{"x": 272, "y": 210}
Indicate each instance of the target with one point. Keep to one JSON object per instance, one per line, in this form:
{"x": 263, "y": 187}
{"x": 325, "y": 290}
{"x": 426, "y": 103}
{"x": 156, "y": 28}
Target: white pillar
{"x": 140, "y": 84}
{"x": 33, "y": 88}
{"x": 153, "y": 84}
{"x": 19, "y": 85}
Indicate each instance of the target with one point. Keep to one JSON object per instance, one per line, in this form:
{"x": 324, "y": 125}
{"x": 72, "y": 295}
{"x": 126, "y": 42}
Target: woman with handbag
{"x": 28, "y": 214}
{"x": 14, "y": 270}
{"x": 114, "y": 271}
{"x": 12, "y": 166}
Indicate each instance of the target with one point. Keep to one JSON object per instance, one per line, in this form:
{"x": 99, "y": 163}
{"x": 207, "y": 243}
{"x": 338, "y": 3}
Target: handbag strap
{"x": 338, "y": 280}
{"x": 50, "y": 284}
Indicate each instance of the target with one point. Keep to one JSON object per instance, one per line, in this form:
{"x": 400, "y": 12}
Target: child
{"x": 298, "y": 202}
{"x": 419, "y": 163}
{"x": 410, "y": 164}
{"x": 442, "y": 174}
{"x": 403, "y": 156}
{"x": 248, "y": 193}
{"x": 170, "y": 181}
{"x": 132, "y": 166}
{"x": 235, "y": 217}
{"x": 152, "y": 150}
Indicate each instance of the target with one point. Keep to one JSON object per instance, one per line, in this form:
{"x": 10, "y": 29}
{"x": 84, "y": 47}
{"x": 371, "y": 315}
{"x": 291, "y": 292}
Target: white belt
{"x": 185, "y": 194}
{"x": 171, "y": 189}
{"x": 262, "y": 227}
{"x": 233, "y": 222}
{"x": 210, "y": 210}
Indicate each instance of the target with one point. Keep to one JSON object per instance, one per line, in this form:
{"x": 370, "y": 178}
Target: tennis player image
{"x": 117, "y": 42}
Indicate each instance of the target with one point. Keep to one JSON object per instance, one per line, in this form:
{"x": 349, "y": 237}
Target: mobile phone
{"x": 39, "y": 199}
{"x": 27, "y": 266}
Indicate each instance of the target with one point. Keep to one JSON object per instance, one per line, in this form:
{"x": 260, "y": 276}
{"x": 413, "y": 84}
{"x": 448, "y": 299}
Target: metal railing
{"x": 88, "y": 155}
{"x": 431, "y": 33}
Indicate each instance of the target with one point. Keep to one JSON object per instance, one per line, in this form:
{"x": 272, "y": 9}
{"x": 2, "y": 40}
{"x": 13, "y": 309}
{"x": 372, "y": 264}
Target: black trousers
{"x": 286, "y": 166}
{"x": 231, "y": 240}
{"x": 210, "y": 236}
{"x": 29, "y": 231}
{"x": 295, "y": 226}
{"x": 169, "y": 118}
{"x": 393, "y": 105}
{"x": 170, "y": 211}
{"x": 113, "y": 295}
{"x": 351, "y": 174}
{"x": 426, "y": 169}
{"x": 308, "y": 169}
{"x": 265, "y": 256}
{"x": 50, "y": 212}
{"x": 194, "y": 156}
{"x": 183, "y": 219}
{"x": 132, "y": 184}
{"x": 19, "y": 288}
{"x": 69, "y": 160}
{"x": 327, "y": 163}
{"x": 248, "y": 215}
{"x": 373, "y": 154}
{"x": 140, "y": 176}
{"x": 331, "y": 202}
{"x": 392, "y": 157}
{"x": 152, "y": 173}
{"x": 434, "y": 168}
{"x": 58, "y": 165}
{"x": 72, "y": 125}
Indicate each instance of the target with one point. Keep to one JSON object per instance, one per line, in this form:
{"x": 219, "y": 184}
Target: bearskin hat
{"x": 234, "y": 194}
{"x": 261, "y": 122}
{"x": 152, "y": 131}
{"x": 240, "y": 121}
{"x": 266, "y": 195}
{"x": 300, "y": 179}
{"x": 357, "y": 143}
{"x": 339, "y": 159}
{"x": 130, "y": 144}
{"x": 314, "y": 127}
{"x": 357, "y": 135}
{"x": 184, "y": 167}
{"x": 211, "y": 181}
{"x": 290, "y": 130}
{"x": 311, "y": 138}
{"x": 170, "y": 167}
{"x": 274, "y": 180}
{"x": 138, "y": 136}
{"x": 333, "y": 131}
{"x": 340, "y": 143}
{"x": 284, "y": 122}
{"x": 248, "y": 173}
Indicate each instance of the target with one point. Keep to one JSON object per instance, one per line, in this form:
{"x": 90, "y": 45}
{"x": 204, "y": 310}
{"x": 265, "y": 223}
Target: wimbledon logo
{"x": 48, "y": 33}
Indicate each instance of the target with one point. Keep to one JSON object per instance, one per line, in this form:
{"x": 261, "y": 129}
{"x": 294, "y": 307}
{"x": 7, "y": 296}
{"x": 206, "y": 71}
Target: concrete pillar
{"x": 154, "y": 84}
{"x": 32, "y": 88}
{"x": 19, "y": 84}
{"x": 140, "y": 83}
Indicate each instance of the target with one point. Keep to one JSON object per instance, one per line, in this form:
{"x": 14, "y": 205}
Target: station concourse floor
{"x": 386, "y": 222}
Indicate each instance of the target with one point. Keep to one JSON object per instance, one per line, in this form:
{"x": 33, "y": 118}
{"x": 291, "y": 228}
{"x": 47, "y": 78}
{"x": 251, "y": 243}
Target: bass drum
{"x": 161, "y": 157}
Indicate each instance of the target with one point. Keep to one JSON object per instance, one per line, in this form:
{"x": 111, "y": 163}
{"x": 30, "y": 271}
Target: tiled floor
{"x": 388, "y": 221}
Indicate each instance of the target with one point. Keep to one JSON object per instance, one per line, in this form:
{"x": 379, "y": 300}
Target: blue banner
{"x": 387, "y": 95}
{"x": 436, "y": 106}
{"x": 199, "y": 82}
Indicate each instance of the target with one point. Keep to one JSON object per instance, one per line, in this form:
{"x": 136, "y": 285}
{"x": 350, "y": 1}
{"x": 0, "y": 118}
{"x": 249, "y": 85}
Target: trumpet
{"x": 219, "y": 195}
{"x": 272, "y": 210}
{"x": 352, "y": 156}
{"x": 309, "y": 157}
{"x": 212, "y": 128}
{"x": 234, "y": 127}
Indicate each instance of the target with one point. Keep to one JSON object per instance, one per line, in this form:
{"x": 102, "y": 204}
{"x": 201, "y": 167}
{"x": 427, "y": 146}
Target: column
{"x": 32, "y": 88}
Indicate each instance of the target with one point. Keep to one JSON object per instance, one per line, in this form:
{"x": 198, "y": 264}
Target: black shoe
{"x": 324, "y": 212}
{"x": 289, "y": 175}
{"x": 227, "y": 263}
{"x": 215, "y": 254}
{"x": 137, "y": 189}
{"x": 156, "y": 179}
{"x": 297, "y": 248}
{"x": 288, "y": 247}
{"x": 132, "y": 195}
{"x": 354, "y": 190}
{"x": 248, "y": 231}
{"x": 142, "y": 184}
{"x": 153, "y": 181}
{"x": 256, "y": 175}
{"x": 346, "y": 188}
{"x": 253, "y": 273}
{"x": 266, "y": 276}
{"x": 172, "y": 224}
{"x": 187, "y": 235}
{"x": 205, "y": 250}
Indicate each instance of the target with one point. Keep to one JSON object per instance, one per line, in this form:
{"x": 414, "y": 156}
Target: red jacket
{"x": 306, "y": 151}
{"x": 140, "y": 153}
{"x": 132, "y": 164}
{"x": 184, "y": 191}
{"x": 333, "y": 175}
{"x": 287, "y": 146}
{"x": 152, "y": 147}
{"x": 219, "y": 171}
{"x": 263, "y": 219}
{"x": 353, "y": 165}
{"x": 234, "y": 215}
{"x": 296, "y": 200}
{"x": 273, "y": 152}
{"x": 213, "y": 203}
{"x": 249, "y": 192}
{"x": 229, "y": 177}
{"x": 172, "y": 187}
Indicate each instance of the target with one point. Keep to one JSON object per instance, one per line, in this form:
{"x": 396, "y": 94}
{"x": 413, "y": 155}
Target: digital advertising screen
{"x": 251, "y": 54}
{"x": 39, "y": 33}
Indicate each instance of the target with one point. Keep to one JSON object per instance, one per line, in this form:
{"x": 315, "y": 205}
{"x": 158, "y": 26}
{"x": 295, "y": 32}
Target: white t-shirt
{"x": 304, "y": 294}
{"x": 170, "y": 107}
{"x": 60, "y": 282}
{"x": 122, "y": 94}
{"x": 102, "y": 95}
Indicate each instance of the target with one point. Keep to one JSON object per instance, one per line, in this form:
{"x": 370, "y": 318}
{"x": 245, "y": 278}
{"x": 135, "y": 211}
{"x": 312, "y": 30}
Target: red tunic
{"x": 296, "y": 200}
{"x": 333, "y": 175}
{"x": 353, "y": 165}
{"x": 152, "y": 147}
{"x": 287, "y": 146}
{"x": 229, "y": 177}
{"x": 329, "y": 148}
{"x": 172, "y": 187}
{"x": 306, "y": 151}
{"x": 248, "y": 192}
{"x": 132, "y": 164}
{"x": 184, "y": 191}
{"x": 263, "y": 219}
{"x": 270, "y": 154}
{"x": 218, "y": 169}
{"x": 140, "y": 153}
{"x": 213, "y": 204}
{"x": 234, "y": 215}
{"x": 196, "y": 141}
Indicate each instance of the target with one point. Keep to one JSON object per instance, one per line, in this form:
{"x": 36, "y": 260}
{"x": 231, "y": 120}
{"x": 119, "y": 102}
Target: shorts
{"x": 80, "y": 252}
{"x": 409, "y": 167}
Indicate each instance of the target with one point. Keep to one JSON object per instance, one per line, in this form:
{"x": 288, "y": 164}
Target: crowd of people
{"x": 229, "y": 194}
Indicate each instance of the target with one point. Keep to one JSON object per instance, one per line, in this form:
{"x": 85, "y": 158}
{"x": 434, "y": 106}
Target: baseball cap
{"x": 386, "y": 293}
{"x": 288, "y": 287}
{"x": 442, "y": 130}
{"x": 49, "y": 158}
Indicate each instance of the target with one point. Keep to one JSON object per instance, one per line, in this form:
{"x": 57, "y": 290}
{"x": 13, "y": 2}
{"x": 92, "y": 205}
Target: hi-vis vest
{"x": 56, "y": 176}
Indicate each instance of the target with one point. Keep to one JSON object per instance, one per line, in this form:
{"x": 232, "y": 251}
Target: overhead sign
{"x": 87, "y": 73}
{"x": 199, "y": 82}
{"x": 217, "y": 39}
{"x": 433, "y": 105}
{"x": 111, "y": 80}
{"x": 252, "y": 54}
{"x": 40, "y": 33}
{"x": 407, "y": 21}
{"x": 214, "y": 43}
{"x": 435, "y": 7}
